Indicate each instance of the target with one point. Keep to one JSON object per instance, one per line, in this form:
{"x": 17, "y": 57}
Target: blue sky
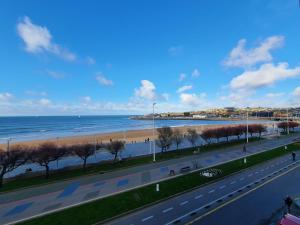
{"x": 117, "y": 57}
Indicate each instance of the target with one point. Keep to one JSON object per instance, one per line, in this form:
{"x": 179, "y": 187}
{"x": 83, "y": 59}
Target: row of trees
{"x": 237, "y": 131}
{"x": 287, "y": 125}
{"x": 48, "y": 152}
{"x": 168, "y": 136}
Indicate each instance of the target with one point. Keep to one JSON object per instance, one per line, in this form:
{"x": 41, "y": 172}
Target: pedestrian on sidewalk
{"x": 294, "y": 156}
{"x": 288, "y": 202}
{"x": 244, "y": 149}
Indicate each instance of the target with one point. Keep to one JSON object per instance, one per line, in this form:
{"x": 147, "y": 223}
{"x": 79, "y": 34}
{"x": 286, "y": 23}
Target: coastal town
{"x": 229, "y": 113}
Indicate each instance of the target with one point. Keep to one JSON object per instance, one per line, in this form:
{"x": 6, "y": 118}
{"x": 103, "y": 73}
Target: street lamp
{"x": 153, "y": 140}
{"x": 287, "y": 121}
{"x": 8, "y": 144}
{"x": 247, "y": 126}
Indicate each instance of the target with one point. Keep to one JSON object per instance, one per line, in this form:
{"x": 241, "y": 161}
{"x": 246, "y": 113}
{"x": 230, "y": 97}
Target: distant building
{"x": 199, "y": 116}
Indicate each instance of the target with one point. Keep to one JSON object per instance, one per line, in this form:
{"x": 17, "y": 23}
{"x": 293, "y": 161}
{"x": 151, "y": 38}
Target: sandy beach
{"x": 128, "y": 136}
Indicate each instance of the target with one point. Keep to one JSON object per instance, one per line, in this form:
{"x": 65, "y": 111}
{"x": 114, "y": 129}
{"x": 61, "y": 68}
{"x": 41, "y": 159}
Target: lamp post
{"x": 287, "y": 121}
{"x": 247, "y": 126}
{"x": 153, "y": 140}
{"x": 8, "y": 144}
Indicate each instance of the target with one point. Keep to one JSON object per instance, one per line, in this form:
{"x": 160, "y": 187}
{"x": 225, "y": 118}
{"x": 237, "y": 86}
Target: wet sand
{"x": 128, "y": 136}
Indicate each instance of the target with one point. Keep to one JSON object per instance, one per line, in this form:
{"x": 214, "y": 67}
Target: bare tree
{"x": 44, "y": 154}
{"x": 207, "y": 135}
{"x": 177, "y": 138}
{"x": 192, "y": 136}
{"x": 293, "y": 125}
{"x": 165, "y": 138}
{"x": 10, "y": 160}
{"x": 283, "y": 126}
{"x": 238, "y": 131}
{"x": 259, "y": 128}
{"x": 83, "y": 151}
{"x": 114, "y": 147}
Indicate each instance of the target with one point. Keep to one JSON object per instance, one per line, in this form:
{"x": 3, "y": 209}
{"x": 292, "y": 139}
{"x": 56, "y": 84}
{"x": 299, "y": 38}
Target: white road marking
{"x": 256, "y": 172}
{"x": 233, "y": 182}
{"x": 198, "y": 196}
{"x": 223, "y": 186}
{"x": 167, "y": 210}
{"x": 250, "y": 174}
{"x": 242, "y": 178}
{"x": 147, "y": 218}
{"x": 183, "y": 203}
{"x": 211, "y": 191}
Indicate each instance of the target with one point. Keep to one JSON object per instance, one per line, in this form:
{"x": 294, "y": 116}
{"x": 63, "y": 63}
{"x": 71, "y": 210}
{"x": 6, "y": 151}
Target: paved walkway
{"x": 30, "y": 202}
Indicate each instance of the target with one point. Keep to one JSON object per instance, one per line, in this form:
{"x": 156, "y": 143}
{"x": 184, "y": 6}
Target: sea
{"x": 25, "y": 128}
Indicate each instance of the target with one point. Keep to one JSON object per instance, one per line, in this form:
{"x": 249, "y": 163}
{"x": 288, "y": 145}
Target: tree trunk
{"x": 47, "y": 171}
{"x": 116, "y": 155}
{"x": 1, "y": 179}
{"x": 84, "y": 162}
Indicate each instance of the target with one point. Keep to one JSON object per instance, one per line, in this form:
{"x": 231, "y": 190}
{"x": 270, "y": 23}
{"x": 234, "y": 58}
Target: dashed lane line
{"x": 167, "y": 210}
{"x": 147, "y": 218}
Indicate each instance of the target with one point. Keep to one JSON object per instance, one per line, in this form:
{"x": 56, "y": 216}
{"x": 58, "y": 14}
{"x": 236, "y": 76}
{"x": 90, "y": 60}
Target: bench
{"x": 185, "y": 169}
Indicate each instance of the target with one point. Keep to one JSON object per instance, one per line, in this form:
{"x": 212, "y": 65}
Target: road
{"x": 245, "y": 198}
{"x": 257, "y": 207}
{"x": 31, "y": 202}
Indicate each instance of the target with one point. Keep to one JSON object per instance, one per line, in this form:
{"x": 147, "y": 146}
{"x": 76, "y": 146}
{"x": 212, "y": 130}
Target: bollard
{"x": 245, "y": 160}
{"x": 157, "y": 187}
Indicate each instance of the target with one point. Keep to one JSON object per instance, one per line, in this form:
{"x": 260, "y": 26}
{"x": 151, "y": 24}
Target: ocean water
{"x": 46, "y": 127}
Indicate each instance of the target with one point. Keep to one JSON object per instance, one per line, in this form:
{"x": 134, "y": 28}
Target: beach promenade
{"x": 31, "y": 202}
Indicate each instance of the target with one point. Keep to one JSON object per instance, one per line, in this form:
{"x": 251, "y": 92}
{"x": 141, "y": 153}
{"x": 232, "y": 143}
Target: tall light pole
{"x": 153, "y": 138}
{"x": 8, "y": 144}
{"x": 247, "y": 126}
{"x": 287, "y": 121}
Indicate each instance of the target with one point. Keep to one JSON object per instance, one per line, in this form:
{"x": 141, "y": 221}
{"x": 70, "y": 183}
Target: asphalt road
{"x": 257, "y": 207}
{"x": 245, "y": 198}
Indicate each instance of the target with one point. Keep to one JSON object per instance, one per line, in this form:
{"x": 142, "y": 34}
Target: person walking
{"x": 294, "y": 156}
{"x": 244, "y": 148}
{"x": 288, "y": 202}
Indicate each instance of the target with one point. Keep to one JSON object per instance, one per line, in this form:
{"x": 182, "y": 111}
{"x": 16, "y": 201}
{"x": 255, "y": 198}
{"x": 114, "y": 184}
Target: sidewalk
{"x": 38, "y": 200}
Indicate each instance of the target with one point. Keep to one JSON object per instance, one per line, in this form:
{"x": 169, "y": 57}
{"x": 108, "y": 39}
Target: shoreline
{"x": 130, "y": 136}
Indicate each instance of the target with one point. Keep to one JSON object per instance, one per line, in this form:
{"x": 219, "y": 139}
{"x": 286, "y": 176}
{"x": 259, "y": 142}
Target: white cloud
{"x": 265, "y": 75}
{"x": 146, "y": 90}
{"x": 192, "y": 99}
{"x": 38, "y": 39}
{"x": 36, "y": 93}
{"x": 296, "y": 92}
{"x": 103, "y": 80}
{"x": 175, "y": 50}
{"x": 182, "y": 76}
{"x": 165, "y": 96}
{"x": 242, "y": 57}
{"x": 90, "y": 60}
{"x": 44, "y": 102}
{"x": 6, "y": 97}
{"x": 195, "y": 73}
{"x": 55, "y": 74}
{"x": 184, "y": 88}
{"x": 274, "y": 95}
{"x": 86, "y": 99}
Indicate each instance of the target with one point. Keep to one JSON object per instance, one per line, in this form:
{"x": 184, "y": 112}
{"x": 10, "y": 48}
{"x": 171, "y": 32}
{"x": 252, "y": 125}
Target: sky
{"x": 118, "y": 57}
